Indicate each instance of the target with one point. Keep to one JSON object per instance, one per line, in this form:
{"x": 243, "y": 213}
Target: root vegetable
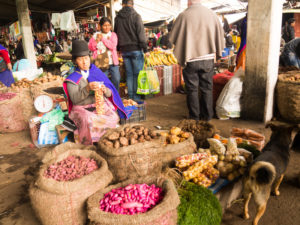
{"x": 122, "y": 133}
{"x": 147, "y": 138}
{"x": 141, "y": 139}
{"x": 132, "y": 199}
{"x": 117, "y": 144}
{"x": 109, "y": 144}
{"x": 146, "y": 131}
{"x": 182, "y": 139}
{"x": 133, "y": 141}
{"x": 123, "y": 141}
{"x": 185, "y": 135}
{"x": 71, "y": 168}
{"x": 175, "y": 130}
{"x": 114, "y": 136}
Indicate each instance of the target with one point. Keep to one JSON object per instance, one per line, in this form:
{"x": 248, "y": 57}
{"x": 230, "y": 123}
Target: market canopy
{"x": 8, "y": 10}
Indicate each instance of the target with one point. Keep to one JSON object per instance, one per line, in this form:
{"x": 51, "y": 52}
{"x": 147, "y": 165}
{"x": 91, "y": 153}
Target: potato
{"x": 174, "y": 139}
{"x": 223, "y": 171}
{"x": 124, "y": 141}
{"x": 147, "y": 138}
{"x": 221, "y": 157}
{"x": 122, "y": 133}
{"x": 175, "y": 131}
{"x": 182, "y": 139}
{"x": 132, "y": 130}
{"x": 114, "y": 136}
{"x": 164, "y": 134}
{"x": 146, "y": 131}
{"x": 117, "y": 144}
{"x": 141, "y": 139}
{"x": 152, "y": 134}
{"x": 127, "y": 130}
{"x": 229, "y": 167}
{"x": 109, "y": 144}
{"x": 133, "y": 135}
{"x": 185, "y": 135}
{"x": 230, "y": 177}
{"x": 220, "y": 164}
{"x": 139, "y": 132}
{"x": 228, "y": 158}
{"x": 133, "y": 141}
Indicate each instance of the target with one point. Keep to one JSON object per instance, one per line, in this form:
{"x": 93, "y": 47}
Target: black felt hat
{"x": 79, "y": 48}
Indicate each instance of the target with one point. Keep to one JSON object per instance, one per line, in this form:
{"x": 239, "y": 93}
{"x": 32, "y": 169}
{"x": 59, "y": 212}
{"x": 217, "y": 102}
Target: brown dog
{"x": 267, "y": 171}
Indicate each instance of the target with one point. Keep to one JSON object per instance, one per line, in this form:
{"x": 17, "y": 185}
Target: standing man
{"x": 288, "y": 31}
{"x": 132, "y": 43}
{"x": 198, "y": 38}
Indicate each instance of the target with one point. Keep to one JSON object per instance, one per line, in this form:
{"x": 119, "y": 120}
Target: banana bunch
{"x": 160, "y": 58}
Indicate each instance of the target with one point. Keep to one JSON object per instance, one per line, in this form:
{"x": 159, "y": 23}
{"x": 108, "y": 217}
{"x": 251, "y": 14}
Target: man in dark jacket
{"x": 291, "y": 53}
{"x": 132, "y": 43}
{"x": 288, "y": 31}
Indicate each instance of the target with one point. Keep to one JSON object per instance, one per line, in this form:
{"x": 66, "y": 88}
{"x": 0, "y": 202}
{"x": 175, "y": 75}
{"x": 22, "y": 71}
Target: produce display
{"x": 198, "y": 205}
{"x": 129, "y": 102}
{"x": 132, "y": 199}
{"x": 293, "y": 78}
{"x": 201, "y": 130}
{"x": 129, "y": 136}
{"x": 249, "y": 137}
{"x": 99, "y": 100}
{"x": 159, "y": 58}
{"x": 25, "y": 83}
{"x": 175, "y": 136}
{"x": 188, "y": 160}
{"x": 71, "y": 168}
{"x": 233, "y": 161}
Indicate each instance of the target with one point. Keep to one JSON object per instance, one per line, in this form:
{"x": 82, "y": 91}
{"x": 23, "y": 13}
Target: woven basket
{"x": 288, "y": 97}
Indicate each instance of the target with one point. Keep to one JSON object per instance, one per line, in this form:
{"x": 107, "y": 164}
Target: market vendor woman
{"x": 6, "y": 76}
{"x": 79, "y": 87}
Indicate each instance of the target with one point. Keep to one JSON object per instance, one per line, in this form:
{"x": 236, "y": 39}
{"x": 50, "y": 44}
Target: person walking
{"x": 6, "y": 76}
{"x": 132, "y": 43}
{"x": 198, "y": 37}
{"x": 106, "y": 41}
{"x": 291, "y": 53}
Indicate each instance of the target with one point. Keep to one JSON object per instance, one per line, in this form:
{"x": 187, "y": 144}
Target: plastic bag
{"x": 228, "y": 104}
{"x": 153, "y": 81}
{"x": 55, "y": 117}
{"x": 143, "y": 84}
{"x": 46, "y": 136}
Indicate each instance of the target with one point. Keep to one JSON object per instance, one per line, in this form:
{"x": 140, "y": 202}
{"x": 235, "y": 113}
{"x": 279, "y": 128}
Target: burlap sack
{"x": 170, "y": 152}
{"x": 57, "y": 203}
{"x": 26, "y": 102}
{"x": 12, "y": 119}
{"x": 164, "y": 213}
{"x": 132, "y": 161}
{"x": 37, "y": 90}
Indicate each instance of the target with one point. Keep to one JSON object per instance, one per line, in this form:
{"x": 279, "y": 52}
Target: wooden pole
{"x": 262, "y": 59}
{"x": 112, "y": 12}
{"x": 25, "y": 24}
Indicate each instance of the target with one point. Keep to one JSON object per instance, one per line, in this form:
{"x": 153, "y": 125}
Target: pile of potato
{"x": 175, "y": 136}
{"x": 232, "y": 162}
{"x": 129, "y": 102}
{"x": 295, "y": 77}
{"x": 129, "y": 136}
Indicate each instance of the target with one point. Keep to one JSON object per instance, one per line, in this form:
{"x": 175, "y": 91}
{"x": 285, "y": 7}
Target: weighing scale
{"x": 43, "y": 104}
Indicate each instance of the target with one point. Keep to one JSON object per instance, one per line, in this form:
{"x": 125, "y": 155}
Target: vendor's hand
{"x": 9, "y": 66}
{"x": 95, "y": 86}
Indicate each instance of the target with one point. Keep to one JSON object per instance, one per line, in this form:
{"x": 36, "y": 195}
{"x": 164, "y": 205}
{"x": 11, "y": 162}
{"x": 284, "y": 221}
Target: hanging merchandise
{"x": 55, "y": 20}
{"x": 15, "y": 29}
{"x": 67, "y": 21}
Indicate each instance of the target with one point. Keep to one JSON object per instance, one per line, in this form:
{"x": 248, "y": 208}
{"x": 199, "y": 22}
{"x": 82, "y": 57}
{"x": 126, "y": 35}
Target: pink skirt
{"x": 90, "y": 126}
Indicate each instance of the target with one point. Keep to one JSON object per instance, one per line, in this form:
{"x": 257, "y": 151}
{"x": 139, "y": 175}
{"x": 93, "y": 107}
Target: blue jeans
{"x": 291, "y": 59}
{"x": 115, "y": 75}
{"x": 134, "y": 62}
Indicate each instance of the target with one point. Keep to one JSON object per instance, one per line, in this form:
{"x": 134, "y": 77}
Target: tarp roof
{"x": 8, "y": 11}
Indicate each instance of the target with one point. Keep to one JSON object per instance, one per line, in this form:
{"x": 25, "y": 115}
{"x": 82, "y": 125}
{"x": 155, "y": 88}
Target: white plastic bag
{"x": 67, "y": 21}
{"x": 228, "y": 104}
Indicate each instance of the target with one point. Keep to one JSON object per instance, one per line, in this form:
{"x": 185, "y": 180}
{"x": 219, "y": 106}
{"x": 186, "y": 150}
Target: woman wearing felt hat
{"x": 79, "y": 87}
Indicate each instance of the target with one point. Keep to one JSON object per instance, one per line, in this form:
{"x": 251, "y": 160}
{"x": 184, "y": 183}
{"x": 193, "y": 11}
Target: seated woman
{"x": 6, "y": 76}
{"x": 78, "y": 87}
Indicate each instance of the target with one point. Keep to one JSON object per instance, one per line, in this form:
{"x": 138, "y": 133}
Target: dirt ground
{"x": 18, "y": 160}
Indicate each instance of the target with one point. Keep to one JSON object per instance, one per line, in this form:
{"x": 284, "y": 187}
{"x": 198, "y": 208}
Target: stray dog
{"x": 267, "y": 171}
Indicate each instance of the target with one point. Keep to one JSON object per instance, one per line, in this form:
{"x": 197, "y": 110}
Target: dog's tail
{"x": 263, "y": 173}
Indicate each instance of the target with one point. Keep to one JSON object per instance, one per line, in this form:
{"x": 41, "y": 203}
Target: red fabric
{"x": 177, "y": 72}
{"x": 160, "y": 74}
{"x": 5, "y": 56}
{"x": 219, "y": 81}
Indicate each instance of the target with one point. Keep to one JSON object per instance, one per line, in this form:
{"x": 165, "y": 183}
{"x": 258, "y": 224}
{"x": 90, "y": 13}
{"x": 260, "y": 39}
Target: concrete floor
{"x": 18, "y": 160}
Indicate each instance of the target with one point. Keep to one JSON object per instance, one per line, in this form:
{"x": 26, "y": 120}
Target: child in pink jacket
{"x": 103, "y": 41}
